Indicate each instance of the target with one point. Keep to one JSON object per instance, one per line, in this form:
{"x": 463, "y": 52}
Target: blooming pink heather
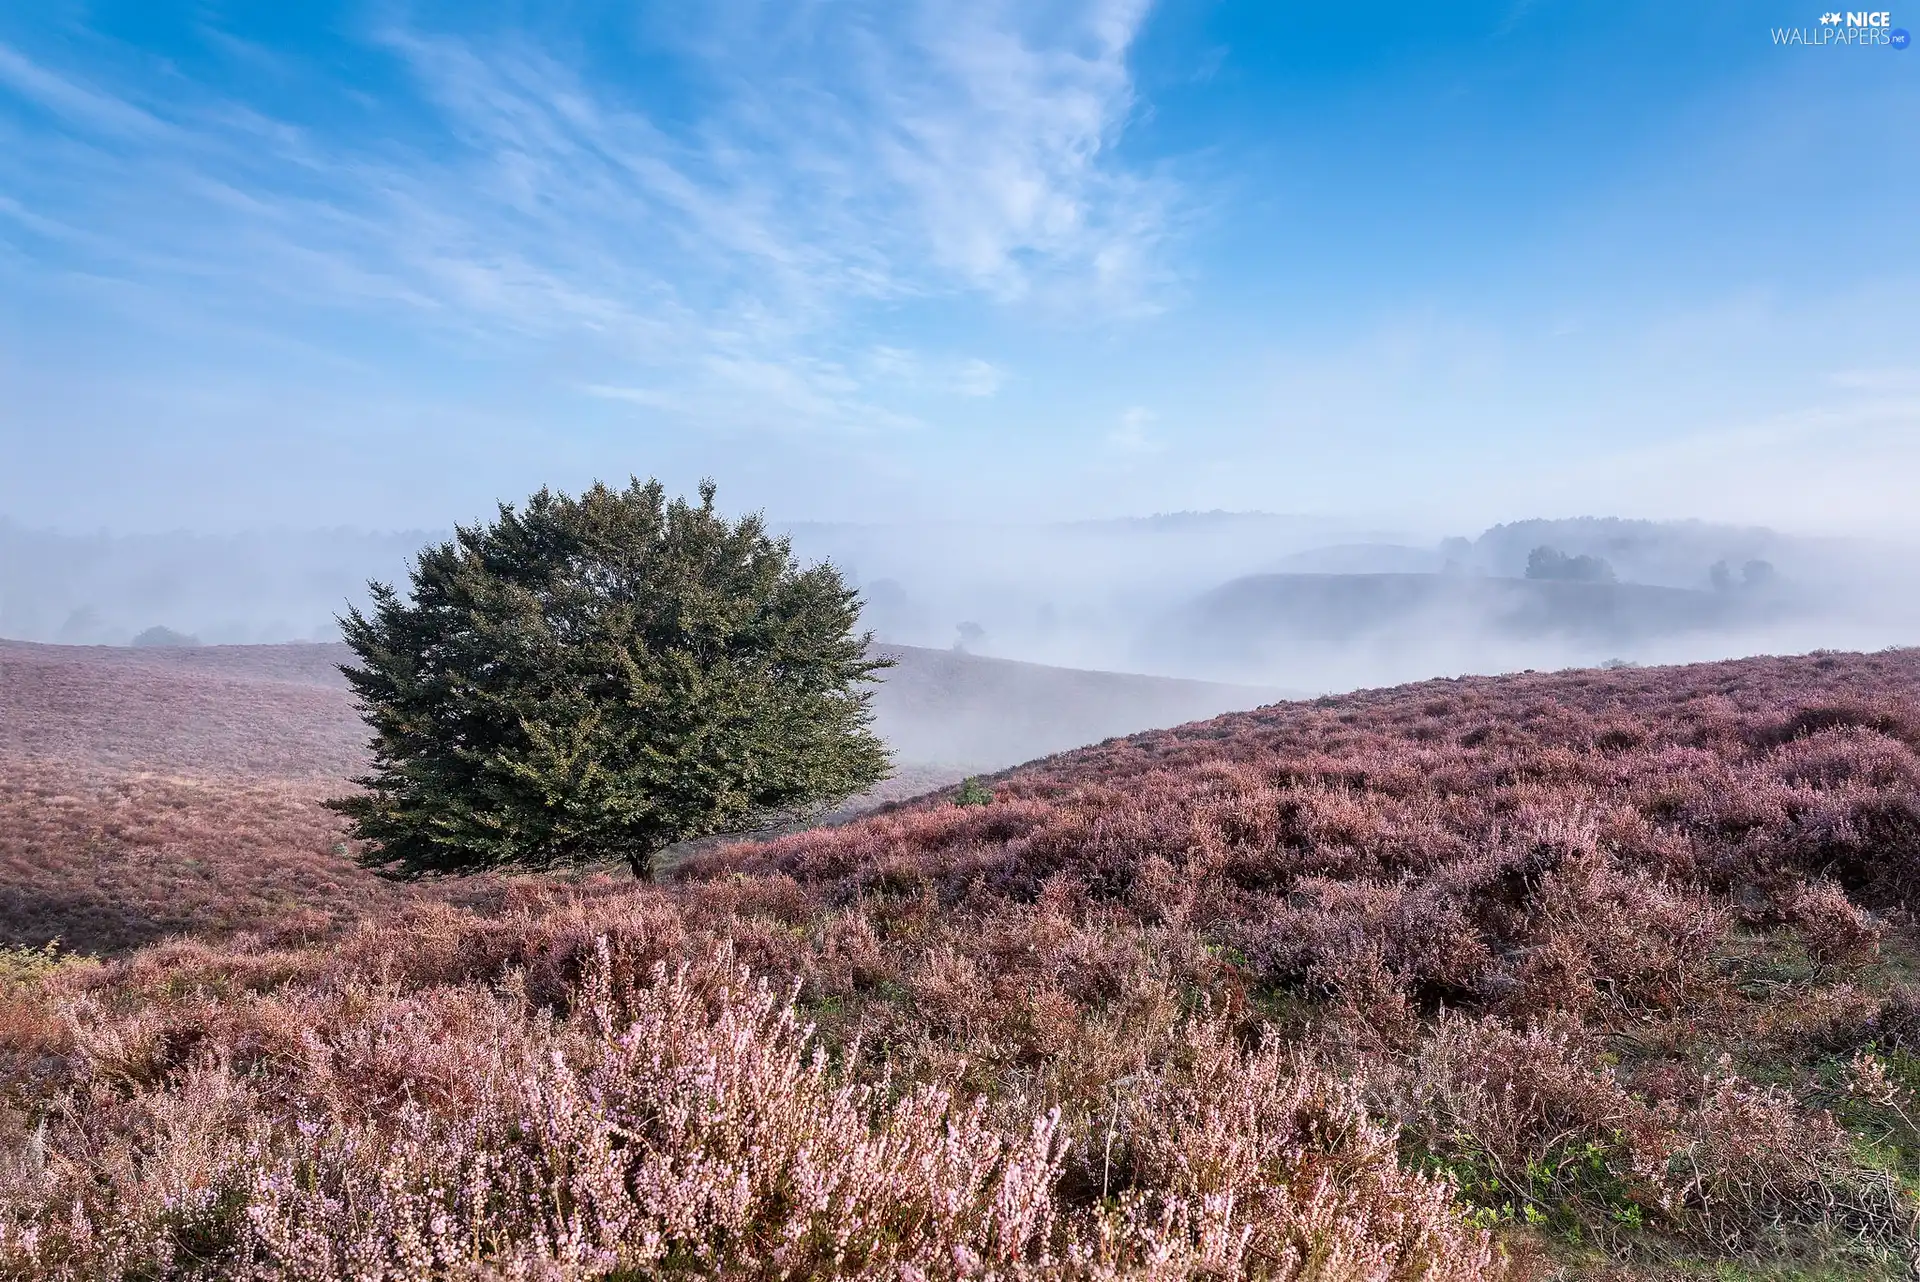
{"x": 1501, "y": 976}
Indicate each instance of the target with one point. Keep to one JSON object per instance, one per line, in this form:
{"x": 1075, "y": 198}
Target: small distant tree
{"x": 971, "y": 634}
{"x": 599, "y": 677}
{"x": 1757, "y": 574}
{"x": 1551, "y": 563}
{"x": 973, "y": 793}
{"x": 1720, "y": 575}
{"x": 164, "y": 637}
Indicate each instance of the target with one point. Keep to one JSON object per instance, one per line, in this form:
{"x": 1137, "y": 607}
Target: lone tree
{"x": 599, "y": 677}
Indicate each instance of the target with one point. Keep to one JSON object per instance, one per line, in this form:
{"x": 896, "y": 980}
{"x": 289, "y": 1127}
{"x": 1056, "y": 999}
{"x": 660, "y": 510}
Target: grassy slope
{"x": 1625, "y": 957}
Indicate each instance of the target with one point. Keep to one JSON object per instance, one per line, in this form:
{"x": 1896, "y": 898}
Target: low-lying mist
{"x": 184, "y": 588}
{"x": 1315, "y": 606}
{"x": 1274, "y": 603}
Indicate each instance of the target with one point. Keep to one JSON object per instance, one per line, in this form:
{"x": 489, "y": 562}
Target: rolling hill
{"x": 1340, "y": 607}
{"x": 1395, "y": 622}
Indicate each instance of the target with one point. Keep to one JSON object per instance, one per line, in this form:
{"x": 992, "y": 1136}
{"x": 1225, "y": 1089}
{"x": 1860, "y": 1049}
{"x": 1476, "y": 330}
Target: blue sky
{"x": 384, "y": 264}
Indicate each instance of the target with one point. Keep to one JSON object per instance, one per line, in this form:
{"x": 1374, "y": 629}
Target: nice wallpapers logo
{"x": 1866, "y": 29}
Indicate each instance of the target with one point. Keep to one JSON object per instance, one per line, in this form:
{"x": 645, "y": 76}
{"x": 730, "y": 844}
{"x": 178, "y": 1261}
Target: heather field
{"x": 1587, "y": 974}
{"x": 146, "y": 794}
{"x": 149, "y": 793}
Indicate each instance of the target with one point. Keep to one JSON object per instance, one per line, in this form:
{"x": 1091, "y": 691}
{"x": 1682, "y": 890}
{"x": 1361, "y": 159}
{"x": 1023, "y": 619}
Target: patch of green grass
{"x": 1580, "y": 1192}
{"x": 20, "y": 964}
{"x": 1761, "y": 963}
{"x": 1796, "y": 1271}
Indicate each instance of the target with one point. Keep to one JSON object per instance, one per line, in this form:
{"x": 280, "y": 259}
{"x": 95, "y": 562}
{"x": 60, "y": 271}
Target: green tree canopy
{"x": 599, "y": 677}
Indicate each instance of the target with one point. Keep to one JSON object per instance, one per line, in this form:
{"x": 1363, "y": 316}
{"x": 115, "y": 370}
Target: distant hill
{"x": 1302, "y": 623}
{"x": 943, "y": 706}
{"x": 1362, "y": 558}
{"x": 1670, "y": 553}
{"x": 1068, "y": 594}
{"x": 1335, "y": 607}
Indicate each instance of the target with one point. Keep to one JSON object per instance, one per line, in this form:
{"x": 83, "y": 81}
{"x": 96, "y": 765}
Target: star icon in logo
{"x": 1829, "y": 19}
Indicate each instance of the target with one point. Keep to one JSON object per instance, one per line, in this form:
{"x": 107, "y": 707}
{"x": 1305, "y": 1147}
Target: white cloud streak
{"x": 723, "y": 269}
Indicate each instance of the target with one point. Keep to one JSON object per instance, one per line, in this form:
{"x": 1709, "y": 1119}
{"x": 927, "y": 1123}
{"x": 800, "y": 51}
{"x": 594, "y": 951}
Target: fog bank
{"x": 1270, "y": 602}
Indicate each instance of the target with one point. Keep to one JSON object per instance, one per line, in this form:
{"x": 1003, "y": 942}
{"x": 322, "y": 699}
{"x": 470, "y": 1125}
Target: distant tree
{"x": 599, "y": 677}
{"x": 160, "y": 637}
{"x": 1545, "y": 563}
{"x": 971, "y": 634}
{"x": 1757, "y": 574}
{"x": 1590, "y": 569}
{"x": 1720, "y": 574}
{"x": 1551, "y": 563}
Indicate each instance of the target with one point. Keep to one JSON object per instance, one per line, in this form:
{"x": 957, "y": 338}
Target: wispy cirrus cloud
{"x": 721, "y": 264}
